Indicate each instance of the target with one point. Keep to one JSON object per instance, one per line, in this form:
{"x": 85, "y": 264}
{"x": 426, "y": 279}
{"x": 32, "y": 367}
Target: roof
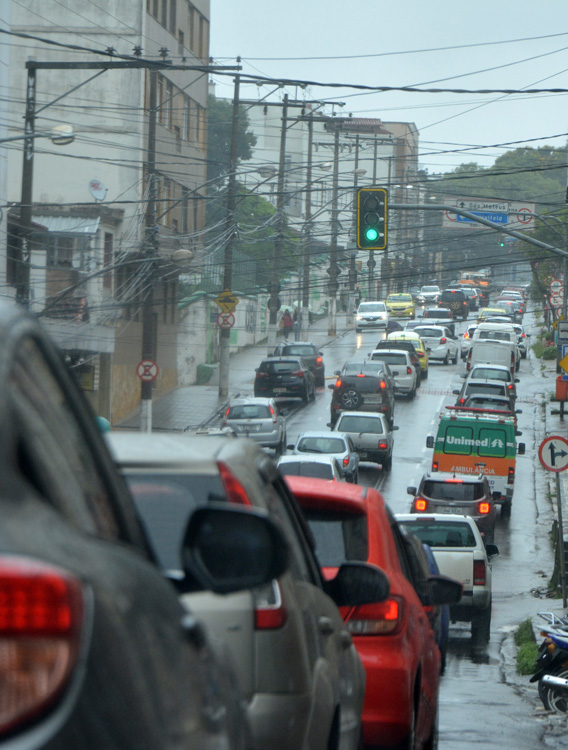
{"x": 69, "y": 224}
{"x": 319, "y": 494}
{"x": 448, "y": 476}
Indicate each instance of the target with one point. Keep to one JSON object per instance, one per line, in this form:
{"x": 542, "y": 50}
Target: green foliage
{"x": 525, "y": 633}
{"x": 544, "y": 346}
{"x": 550, "y": 352}
{"x": 219, "y": 128}
{"x": 527, "y": 648}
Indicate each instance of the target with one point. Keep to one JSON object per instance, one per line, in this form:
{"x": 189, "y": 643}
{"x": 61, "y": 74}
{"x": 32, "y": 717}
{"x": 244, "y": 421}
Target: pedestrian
{"x": 296, "y": 319}
{"x": 287, "y": 324}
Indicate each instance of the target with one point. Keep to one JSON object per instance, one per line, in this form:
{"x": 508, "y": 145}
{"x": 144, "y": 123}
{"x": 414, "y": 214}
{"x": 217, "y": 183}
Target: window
{"x": 493, "y": 442}
{"x": 168, "y": 104}
{"x": 173, "y": 9}
{"x": 340, "y": 537}
{"x": 160, "y": 99}
{"x": 459, "y": 440}
{"x": 181, "y": 42}
{"x": 164, "y": 14}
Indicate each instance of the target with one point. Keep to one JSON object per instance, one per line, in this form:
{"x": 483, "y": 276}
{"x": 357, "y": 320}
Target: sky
{"x": 498, "y": 44}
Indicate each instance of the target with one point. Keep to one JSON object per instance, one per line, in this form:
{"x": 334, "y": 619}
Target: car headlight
{"x": 359, "y": 317}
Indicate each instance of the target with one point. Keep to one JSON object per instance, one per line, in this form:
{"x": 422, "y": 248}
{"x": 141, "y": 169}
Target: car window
{"x": 306, "y": 469}
{"x": 391, "y": 358}
{"x": 339, "y": 537}
{"x": 368, "y": 307}
{"x": 487, "y": 388}
{"x": 442, "y": 534}
{"x": 249, "y": 411}
{"x": 302, "y": 564}
{"x": 321, "y": 445}
{"x": 490, "y": 374}
{"x": 301, "y": 350}
{"x": 279, "y": 367}
{"x": 360, "y": 424}
{"x": 458, "y": 440}
{"x": 425, "y": 332}
{"x": 455, "y": 490}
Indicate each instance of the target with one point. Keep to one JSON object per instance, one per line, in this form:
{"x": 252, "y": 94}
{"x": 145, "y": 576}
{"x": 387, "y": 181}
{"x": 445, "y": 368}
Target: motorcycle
{"x": 552, "y": 664}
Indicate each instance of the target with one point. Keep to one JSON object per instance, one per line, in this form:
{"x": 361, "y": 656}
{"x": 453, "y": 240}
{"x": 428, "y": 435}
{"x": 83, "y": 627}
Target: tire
{"x": 306, "y": 394}
{"x": 425, "y": 374}
{"x": 455, "y": 359}
{"x": 387, "y": 463}
{"x": 412, "y": 394}
{"x": 313, "y": 398}
{"x": 356, "y": 478}
{"x": 409, "y": 742}
{"x": 506, "y": 509}
{"x": 556, "y": 700}
{"x": 481, "y": 625}
{"x": 350, "y": 399}
{"x": 446, "y": 359}
{"x": 432, "y": 741}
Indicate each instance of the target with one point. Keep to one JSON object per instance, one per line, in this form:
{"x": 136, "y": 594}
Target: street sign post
{"x": 225, "y": 320}
{"x": 147, "y": 370}
{"x": 563, "y": 360}
{"x": 562, "y": 331}
{"x": 556, "y": 287}
{"x": 553, "y": 455}
{"x": 227, "y": 301}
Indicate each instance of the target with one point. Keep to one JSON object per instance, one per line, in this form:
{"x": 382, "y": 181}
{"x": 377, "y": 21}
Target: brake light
{"x": 261, "y": 375}
{"x": 511, "y": 475}
{"x": 338, "y": 383}
{"x": 235, "y": 491}
{"x": 510, "y": 386}
{"x": 453, "y": 480}
{"x": 383, "y": 384}
{"x": 484, "y": 508}
{"x": 443, "y": 340}
{"x": 269, "y": 610}
{"x": 360, "y": 375}
{"x": 461, "y": 401}
{"x": 298, "y": 373}
{"x": 319, "y": 360}
{"x": 466, "y": 335}
{"x": 273, "y": 415}
{"x": 345, "y": 460}
{"x": 382, "y": 618}
{"x": 420, "y": 354}
{"x": 420, "y": 505}
{"x": 435, "y": 465}
{"x": 479, "y": 572}
{"x": 41, "y": 618}
{"x": 383, "y": 446}
{"x": 409, "y": 370}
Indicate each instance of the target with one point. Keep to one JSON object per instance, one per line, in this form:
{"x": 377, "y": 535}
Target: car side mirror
{"x": 290, "y": 447}
{"x": 440, "y": 590}
{"x": 430, "y": 441}
{"x": 463, "y": 376}
{"x": 230, "y": 549}
{"x": 320, "y": 354}
{"x": 329, "y": 425}
{"x": 284, "y": 412}
{"x": 396, "y": 372}
{"x": 517, "y": 380}
{"x": 358, "y": 583}
{"x": 411, "y": 490}
{"x": 331, "y": 386}
{"x": 518, "y": 411}
{"x": 520, "y": 446}
{"x": 395, "y": 427}
{"x": 457, "y": 392}
{"x": 337, "y": 372}
{"x": 492, "y": 550}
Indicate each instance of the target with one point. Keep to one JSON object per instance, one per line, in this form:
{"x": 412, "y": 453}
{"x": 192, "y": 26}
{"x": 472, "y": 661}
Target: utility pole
{"x": 305, "y": 315}
{"x": 279, "y": 241}
{"x": 225, "y": 333}
{"x": 23, "y": 266}
{"x": 333, "y": 269}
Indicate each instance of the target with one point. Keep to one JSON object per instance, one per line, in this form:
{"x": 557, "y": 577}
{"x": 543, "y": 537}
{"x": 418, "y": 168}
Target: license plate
{"x": 453, "y": 511}
{"x": 362, "y": 454}
{"x": 373, "y": 399}
{"x": 279, "y": 390}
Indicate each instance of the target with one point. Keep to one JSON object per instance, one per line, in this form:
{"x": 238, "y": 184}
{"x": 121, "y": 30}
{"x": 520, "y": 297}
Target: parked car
{"x": 404, "y": 372}
{"x": 363, "y": 386}
{"x": 394, "y": 639}
{"x": 285, "y": 377}
{"x": 308, "y": 352}
{"x": 415, "y": 339}
{"x": 297, "y": 667}
{"x": 406, "y": 346}
{"x": 322, "y": 467}
{"x": 97, "y": 650}
{"x": 439, "y": 316}
{"x": 464, "y": 494}
{"x": 372, "y": 436}
{"x": 259, "y": 419}
{"x": 462, "y": 554}
{"x": 371, "y": 315}
{"x": 339, "y": 445}
{"x": 401, "y": 305}
{"x": 456, "y": 301}
{"x": 440, "y": 343}
{"x": 429, "y": 294}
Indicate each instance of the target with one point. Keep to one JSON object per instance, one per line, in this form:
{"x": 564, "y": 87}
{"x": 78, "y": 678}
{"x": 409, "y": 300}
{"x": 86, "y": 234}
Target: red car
{"x": 394, "y": 638}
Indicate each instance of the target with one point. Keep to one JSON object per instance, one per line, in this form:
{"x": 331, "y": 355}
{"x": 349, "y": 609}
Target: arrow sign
{"x": 553, "y": 453}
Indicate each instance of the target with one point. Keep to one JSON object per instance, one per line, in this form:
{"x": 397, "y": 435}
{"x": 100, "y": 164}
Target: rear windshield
{"x": 249, "y": 411}
{"x": 476, "y": 402}
{"x": 306, "y": 469}
{"x": 429, "y": 332}
{"x": 339, "y": 537}
{"x": 437, "y": 314}
{"x": 451, "y": 296}
{"x": 490, "y": 374}
{"x": 360, "y": 424}
{"x": 302, "y": 351}
{"x": 275, "y": 367}
{"x": 460, "y": 491}
{"x": 495, "y": 335}
{"x": 391, "y": 358}
{"x": 367, "y": 368}
{"x": 367, "y": 307}
{"x": 321, "y": 445}
{"x": 487, "y": 388}
{"x": 441, "y": 534}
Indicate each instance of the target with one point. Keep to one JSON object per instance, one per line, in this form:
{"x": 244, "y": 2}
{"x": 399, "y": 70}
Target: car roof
{"x": 444, "y": 517}
{"x": 449, "y": 476}
{"x": 311, "y": 458}
{"x": 318, "y": 493}
{"x": 489, "y": 366}
{"x": 438, "y": 309}
{"x": 283, "y": 358}
{"x": 322, "y": 433}
{"x": 243, "y": 400}
{"x": 389, "y": 351}
{"x": 430, "y": 325}
{"x": 362, "y": 414}
{"x": 491, "y": 381}
{"x": 402, "y": 335}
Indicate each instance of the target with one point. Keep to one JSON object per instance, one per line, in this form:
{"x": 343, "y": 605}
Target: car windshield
{"x": 442, "y": 534}
{"x": 276, "y": 367}
{"x": 490, "y": 374}
{"x": 249, "y": 411}
{"x": 426, "y": 289}
{"x": 339, "y": 537}
{"x": 454, "y": 489}
{"x": 484, "y": 388}
{"x": 358, "y": 424}
{"x": 321, "y": 445}
{"x": 367, "y": 307}
{"x": 306, "y": 469}
{"x": 400, "y": 298}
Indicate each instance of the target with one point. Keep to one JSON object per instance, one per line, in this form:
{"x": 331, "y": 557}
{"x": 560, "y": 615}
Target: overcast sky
{"x": 388, "y": 43}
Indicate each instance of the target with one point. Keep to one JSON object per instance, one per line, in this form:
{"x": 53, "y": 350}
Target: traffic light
{"x": 501, "y": 242}
{"x": 372, "y": 218}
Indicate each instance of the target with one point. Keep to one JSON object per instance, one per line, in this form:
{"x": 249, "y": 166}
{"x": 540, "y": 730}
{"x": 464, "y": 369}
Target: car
{"x": 439, "y": 615}
{"x": 400, "y": 304}
{"x": 406, "y": 346}
{"x": 464, "y": 494}
{"x": 467, "y": 339}
{"x": 483, "y": 387}
{"x": 462, "y": 554}
{"x": 339, "y": 445}
{"x": 402, "y": 368}
{"x": 477, "y": 402}
{"x": 428, "y": 294}
{"x": 363, "y": 386}
{"x": 371, "y": 434}
{"x": 297, "y": 667}
{"x": 440, "y": 316}
{"x": 415, "y": 339}
{"x": 371, "y": 315}
{"x": 472, "y": 297}
{"x": 440, "y": 343}
{"x": 98, "y": 651}
{"x": 285, "y": 377}
{"x": 521, "y": 339}
{"x": 489, "y": 312}
{"x": 493, "y": 372}
{"x": 395, "y": 639}
{"x": 322, "y": 467}
{"x": 500, "y": 332}
{"x": 505, "y": 353}
{"x": 257, "y": 418}
{"x": 308, "y": 352}
{"x": 514, "y": 307}
{"x": 456, "y": 301}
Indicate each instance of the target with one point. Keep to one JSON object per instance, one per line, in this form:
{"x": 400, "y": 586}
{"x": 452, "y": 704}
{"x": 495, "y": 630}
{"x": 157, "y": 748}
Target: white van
{"x": 487, "y": 351}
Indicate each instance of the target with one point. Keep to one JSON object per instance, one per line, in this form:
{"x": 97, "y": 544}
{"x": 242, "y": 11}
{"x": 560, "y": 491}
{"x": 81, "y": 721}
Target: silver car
{"x": 338, "y": 444}
{"x": 321, "y": 467}
{"x": 371, "y": 433}
{"x": 404, "y": 372}
{"x": 371, "y": 315}
{"x": 258, "y": 418}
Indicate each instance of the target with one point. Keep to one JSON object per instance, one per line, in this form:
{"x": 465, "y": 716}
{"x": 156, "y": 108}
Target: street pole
{"x": 150, "y": 252}
{"x": 225, "y": 333}
{"x": 333, "y": 270}
{"x": 279, "y": 241}
{"x": 305, "y": 315}
{"x": 23, "y": 265}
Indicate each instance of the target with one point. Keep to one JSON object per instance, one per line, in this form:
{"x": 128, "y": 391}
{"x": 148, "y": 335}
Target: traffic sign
{"x": 556, "y": 300}
{"x": 225, "y": 320}
{"x": 557, "y": 322}
{"x": 227, "y": 301}
{"x": 556, "y": 286}
{"x": 562, "y": 329}
{"x": 147, "y": 370}
{"x": 563, "y": 360}
{"x": 553, "y": 453}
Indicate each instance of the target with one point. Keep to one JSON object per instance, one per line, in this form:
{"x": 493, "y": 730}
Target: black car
{"x": 407, "y": 346}
{"x": 97, "y": 650}
{"x": 472, "y": 297}
{"x": 362, "y": 386}
{"x": 442, "y": 315}
{"x": 285, "y": 377}
{"x": 310, "y": 353}
{"x": 456, "y": 301}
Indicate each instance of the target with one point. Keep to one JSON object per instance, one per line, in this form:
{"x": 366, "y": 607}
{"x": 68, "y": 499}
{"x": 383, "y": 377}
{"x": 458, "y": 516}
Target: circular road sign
{"x": 556, "y": 300}
{"x": 553, "y": 453}
{"x": 556, "y": 286}
{"x": 147, "y": 370}
{"x": 225, "y": 320}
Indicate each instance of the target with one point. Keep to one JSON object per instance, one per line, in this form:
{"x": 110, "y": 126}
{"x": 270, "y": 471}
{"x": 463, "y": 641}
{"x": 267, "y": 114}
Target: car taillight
{"x": 511, "y": 475}
{"x": 420, "y": 354}
{"x": 345, "y": 460}
{"x": 338, "y": 383}
{"x": 483, "y": 508}
{"x": 273, "y": 415}
{"x": 269, "y": 610}
{"x": 383, "y": 446}
{"x": 435, "y": 465}
{"x": 261, "y": 375}
{"x": 383, "y": 385}
{"x": 510, "y": 386}
{"x": 461, "y": 401}
{"x": 41, "y": 618}
{"x": 360, "y": 375}
{"x": 319, "y": 360}
{"x": 466, "y": 335}
{"x": 420, "y": 504}
{"x": 234, "y": 490}
{"x": 383, "y": 618}
{"x": 479, "y": 572}
{"x": 298, "y": 373}
{"x": 383, "y": 407}
{"x": 443, "y": 340}
{"x": 409, "y": 370}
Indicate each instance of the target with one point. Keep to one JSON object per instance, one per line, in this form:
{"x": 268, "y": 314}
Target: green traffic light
{"x": 371, "y": 234}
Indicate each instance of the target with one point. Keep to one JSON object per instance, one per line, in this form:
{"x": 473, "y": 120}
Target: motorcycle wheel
{"x": 555, "y": 700}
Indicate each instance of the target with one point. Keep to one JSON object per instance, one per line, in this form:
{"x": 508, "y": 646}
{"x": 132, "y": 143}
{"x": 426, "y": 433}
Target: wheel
{"x": 387, "y": 463}
{"x": 556, "y": 700}
{"x": 350, "y": 399}
{"x": 320, "y": 382}
{"x": 481, "y": 625}
{"x": 412, "y": 394}
{"x": 506, "y": 509}
{"x": 432, "y": 741}
{"x": 313, "y": 398}
{"x": 409, "y": 742}
{"x": 306, "y": 394}
{"x": 425, "y": 374}
{"x": 455, "y": 359}
{"x": 356, "y": 478}
{"x": 523, "y": 355}
{"x": 446, "y": 359}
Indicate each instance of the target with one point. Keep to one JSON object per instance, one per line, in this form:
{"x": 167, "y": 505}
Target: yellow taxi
{"x": 489, "y": 312}
{"x": 418, "y": 345}
{"x": 400, "y": 304}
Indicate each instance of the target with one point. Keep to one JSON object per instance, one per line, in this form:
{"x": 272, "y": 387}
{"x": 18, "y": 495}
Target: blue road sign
{"x": 496, "y": 218}
{"x": 563, "y": 352}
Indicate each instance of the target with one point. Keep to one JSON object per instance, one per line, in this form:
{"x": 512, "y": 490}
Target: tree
{"x": 220, "y": 115}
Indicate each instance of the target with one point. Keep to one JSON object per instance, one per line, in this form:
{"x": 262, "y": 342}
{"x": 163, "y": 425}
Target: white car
{"x": 371, "y": 315}
{"x": 428, "y": 294}
{"x": 336, "y": 444}
{"x": 440, "y": 343}
{"x": 501, "y": 332}
{"x": 404, "y": 373}
{"x": 322, "y": 467}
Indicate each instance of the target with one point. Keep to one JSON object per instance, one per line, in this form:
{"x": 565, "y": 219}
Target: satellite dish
{"x": 98, "y": 190}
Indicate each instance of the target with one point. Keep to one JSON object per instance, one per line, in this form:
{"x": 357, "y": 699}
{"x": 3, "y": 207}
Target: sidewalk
{"x": 194, "y": 406}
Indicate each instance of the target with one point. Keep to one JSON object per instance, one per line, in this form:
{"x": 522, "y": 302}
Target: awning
{"x": 68, "y": 224}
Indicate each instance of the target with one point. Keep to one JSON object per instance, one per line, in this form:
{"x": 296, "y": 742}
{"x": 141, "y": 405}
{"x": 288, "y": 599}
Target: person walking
{"x": 287, "y": 324}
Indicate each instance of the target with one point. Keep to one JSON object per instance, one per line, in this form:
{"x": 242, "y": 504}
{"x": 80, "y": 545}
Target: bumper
{"x": 405, "y": 312}
{"x": 471, "y": 603}
{"x": 361, "y": 325}
{"x": 403, "y": 386}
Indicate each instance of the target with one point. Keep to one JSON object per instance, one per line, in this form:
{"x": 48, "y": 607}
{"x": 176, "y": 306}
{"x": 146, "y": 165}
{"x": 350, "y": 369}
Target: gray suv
{"x": 259, "y": 419}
